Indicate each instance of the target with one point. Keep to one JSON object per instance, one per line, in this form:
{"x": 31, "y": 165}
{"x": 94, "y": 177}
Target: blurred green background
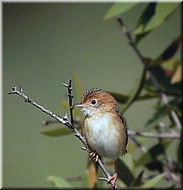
{"x": 43, "y": 44}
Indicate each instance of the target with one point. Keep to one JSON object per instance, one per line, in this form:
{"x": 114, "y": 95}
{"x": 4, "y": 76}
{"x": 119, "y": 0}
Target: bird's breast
{"x": 104, "y": 135}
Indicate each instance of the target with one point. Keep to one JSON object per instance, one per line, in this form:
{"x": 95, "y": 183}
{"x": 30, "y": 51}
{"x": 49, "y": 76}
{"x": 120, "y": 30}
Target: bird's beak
{"x": 80, "y": 105}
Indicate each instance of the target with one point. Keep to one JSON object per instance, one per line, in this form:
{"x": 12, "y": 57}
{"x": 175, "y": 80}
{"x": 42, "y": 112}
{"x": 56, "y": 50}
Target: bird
{"x": 104, "y": 127}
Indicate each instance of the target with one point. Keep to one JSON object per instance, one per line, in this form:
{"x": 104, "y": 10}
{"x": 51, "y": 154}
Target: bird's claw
{"x": 112, "y": 179}
{"x": 94, "y": 156}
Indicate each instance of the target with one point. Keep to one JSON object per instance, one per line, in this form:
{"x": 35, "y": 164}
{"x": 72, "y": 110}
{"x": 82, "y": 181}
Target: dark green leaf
{"x": 155, "y": 165}
{"x": 152, "y": 182}
{"x": 146, "y": 16}
{"x": 152, "y": 17}
{"x": 59, "y": 182}
{"x": 118, "y": 8}
{"x": 125, "y": 174}
{"x": 143, "y": 20}
{"x": 160, "y": 75}
{"x": 139, "y": 179}
{"x": 169, "y": 52}
{"x": 158, "y": 14}
{"x": 171, "y": 49}
{"x": 153, "y": 153}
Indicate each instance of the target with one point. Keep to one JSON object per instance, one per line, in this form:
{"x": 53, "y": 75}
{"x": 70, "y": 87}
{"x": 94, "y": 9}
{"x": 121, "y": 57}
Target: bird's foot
{"x": 94, "y": 156}
{"x": 112, "y": 179}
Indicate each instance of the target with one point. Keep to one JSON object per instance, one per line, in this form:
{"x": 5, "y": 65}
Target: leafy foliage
{"x": 118, "y": 8}
{"x": 154, "y": 164}
{"x": 152, "y": 17}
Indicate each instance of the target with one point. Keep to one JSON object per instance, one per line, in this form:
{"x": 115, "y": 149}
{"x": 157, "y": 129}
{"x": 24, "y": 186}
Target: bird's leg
{"x": 94, "y": 156}
{"x": 113, "y": 178}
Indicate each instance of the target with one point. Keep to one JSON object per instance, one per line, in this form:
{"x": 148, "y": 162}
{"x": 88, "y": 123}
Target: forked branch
{"x": 65, "y": 121}
{"x": 154, "y": 81}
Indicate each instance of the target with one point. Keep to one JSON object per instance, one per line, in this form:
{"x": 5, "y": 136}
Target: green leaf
{"x": 143, "y": 20}
{"x": 125, "y": 174}
{"x": 57, "y": 131}
{"x": 171, "y": 49}
{"x": 155, "y": 165}
{"x": 153, "y": 153}
{"x": 159, "y": 14}
{"x": 138, "y": 180}
{"x": 118, "y": 8}
{"x": 59, "y": 182}
{"x": 146, "y": 16}
{"x": 152, "y": 182}
{"x": 169, "y": 52}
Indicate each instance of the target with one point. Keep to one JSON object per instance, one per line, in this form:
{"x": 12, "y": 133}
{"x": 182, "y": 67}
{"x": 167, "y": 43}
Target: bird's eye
{"x": 93, "y": 102}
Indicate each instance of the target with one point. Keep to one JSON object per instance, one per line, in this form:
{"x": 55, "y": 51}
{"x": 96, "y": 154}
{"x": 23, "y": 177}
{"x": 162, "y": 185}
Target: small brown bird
{"x": 104, "y": 127}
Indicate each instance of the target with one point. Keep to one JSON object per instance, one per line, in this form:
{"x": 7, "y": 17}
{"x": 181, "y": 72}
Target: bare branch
{"x": 170, "y": 135}
{"x": 154, "y": 135}
{"x": 64, "y": 121}
{"x": 27, "y": 99}
{"x": 70, "y": 97}
{"x": 155, "y": 82}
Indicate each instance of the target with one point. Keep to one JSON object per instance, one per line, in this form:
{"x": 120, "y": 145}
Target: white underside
{"x": 103, "y": 136}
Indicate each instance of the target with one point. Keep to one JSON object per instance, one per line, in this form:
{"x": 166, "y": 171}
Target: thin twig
{"x": 155, "y": 82}
{"x": 131, "y": 133}
{"x": 70, "y": 97}
{"x": 28, "y": 100}
{"x": 154, "y": 135}
{"x": 63, "y": 121}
